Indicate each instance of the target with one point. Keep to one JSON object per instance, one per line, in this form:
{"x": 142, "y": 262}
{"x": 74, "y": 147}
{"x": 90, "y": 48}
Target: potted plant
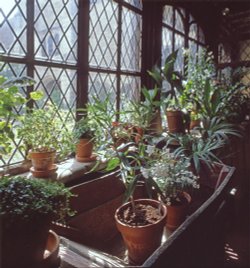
{"x": 84, "y": 137}
{"x": 170, "y": 82}
{"x": 173, "y": 178}
{"x": 44, "y": 136}
{"x": 27, "y": 208}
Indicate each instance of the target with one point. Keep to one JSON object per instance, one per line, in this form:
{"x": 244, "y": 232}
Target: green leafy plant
{"x": 24, "y": 198}
{"x": 83, "y": 129}
{"x": 42, "y": 131}
{"x": 11, "y": 99}
{"x": 171, "y": 175}
{"x": 170, "y": 82}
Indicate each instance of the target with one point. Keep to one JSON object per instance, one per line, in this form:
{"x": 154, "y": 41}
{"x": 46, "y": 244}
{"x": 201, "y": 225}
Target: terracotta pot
{"x": 84, "y": 149}
{"x": 24, "y": 242}
{"x": 194, "y": 123}
{"x": 42, "y": 161}
{"x": 175, "y": 121}
{"x": 155, "y": 126}
{"x": 177, "y": 214}
{"x": 141, "y": 241}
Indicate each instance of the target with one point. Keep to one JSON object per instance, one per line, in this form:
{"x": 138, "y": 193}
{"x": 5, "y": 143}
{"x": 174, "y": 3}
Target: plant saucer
{"x": 44, "y": 173}
{"x": 86, "y": 159}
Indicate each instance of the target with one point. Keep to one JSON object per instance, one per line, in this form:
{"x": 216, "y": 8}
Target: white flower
{"x": 150, "y": 150}
{"x": 145, "y": 172}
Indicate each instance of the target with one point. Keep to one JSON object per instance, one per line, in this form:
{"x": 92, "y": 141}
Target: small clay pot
{"x": 42, "y": 161}
{"x": 177, "y": 213}
{"x": 175, "y": 121}
{"x": 84, "y": 149}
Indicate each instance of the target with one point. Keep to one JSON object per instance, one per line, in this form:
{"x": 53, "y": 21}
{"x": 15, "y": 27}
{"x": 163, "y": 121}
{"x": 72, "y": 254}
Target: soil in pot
{"x": 177, "y": 211}
{"x": 142, "y": 231}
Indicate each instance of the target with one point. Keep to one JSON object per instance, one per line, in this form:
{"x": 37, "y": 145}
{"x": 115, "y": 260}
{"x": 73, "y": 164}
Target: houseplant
{"x": 170, "y": 82}
{"x": 173, "y": 178}
{"x": 203, "y": 146}
{"x": 44, "y": 136}
{"x": 84, "y": 138}
{"x": 27, "y": 208}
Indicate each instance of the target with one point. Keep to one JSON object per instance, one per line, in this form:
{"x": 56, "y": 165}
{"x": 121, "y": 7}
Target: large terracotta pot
{"x": 177, "y": 214}
{"x": 141, "y": 241}
{"x": 175, "y": 121}
{"x": 84, "y": 149}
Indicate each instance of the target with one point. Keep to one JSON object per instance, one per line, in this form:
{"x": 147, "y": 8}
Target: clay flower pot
{"x": 43, "y": 163}
{"x": 84, "y": 149}
{"x": 177, "y": 213}
{"x": 141, "y": 241}
{"x": 194, "y": 123}
{"x": 175, "y": 121}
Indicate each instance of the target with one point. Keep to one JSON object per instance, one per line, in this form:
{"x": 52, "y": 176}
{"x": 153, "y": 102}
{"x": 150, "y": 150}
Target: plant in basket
{"x": 27, "y": 208}
{"x": 173, "y": 178}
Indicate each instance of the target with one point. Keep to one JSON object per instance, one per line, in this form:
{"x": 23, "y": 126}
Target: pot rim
{"x": 156, "y": 202}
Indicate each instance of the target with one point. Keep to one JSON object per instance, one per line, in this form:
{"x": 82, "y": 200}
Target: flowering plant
{"x": 172, "y": 176}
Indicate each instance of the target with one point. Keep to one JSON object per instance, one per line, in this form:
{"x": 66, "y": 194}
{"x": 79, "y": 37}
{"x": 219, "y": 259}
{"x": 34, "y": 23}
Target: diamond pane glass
{"x": 179, "y": 22}
{"x": 11, "y": 71}
{"x": 244, "y": 50}
{"x": 179, "y": 44}
{"x": 168, "y": 15}
{"x": 102, "y": 85}
{"x": 13, "y": 28}
{"x": 167, "y": 37}
{"x": 192, "y": 49}
{"x": 193, "y": 31}
{"x": 56, "y": 30}
{"x": 201, "y": 36}
{"x": 135, "y": 3}
{"x": 224, "y": 54}
{"x": 59, "y": 87}
{"x": 103, "y": 34}
{"x": 131, "y": 40}
{"x": 130, "y": 89}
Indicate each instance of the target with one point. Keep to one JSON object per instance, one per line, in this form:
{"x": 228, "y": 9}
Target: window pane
{"x": 130, "y": 89}
{"x": 193, "y": 31}
{"x": 103, "y": 33}
{"x": 56, "y": 30}
{"x": 13, "y": 28}
{"x": 168, "y": 15}
{"x": 101, "y": 85}
{"x": 167, "y": 37}
{"x": 131, "y": 40}
{"x": 59, "y": 86}
{"x": 179, "y": 22}
{"x": 135, "y": 3}
{"x": 179, "y": 44}
{"x": 201, "y": 36}
{"x": 192, "y": 50}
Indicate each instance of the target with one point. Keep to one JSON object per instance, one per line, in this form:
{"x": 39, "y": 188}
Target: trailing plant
{"x": 26, "y": 199}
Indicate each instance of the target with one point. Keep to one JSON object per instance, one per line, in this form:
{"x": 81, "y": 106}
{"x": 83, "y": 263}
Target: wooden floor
{"x": 237, "y": 246}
